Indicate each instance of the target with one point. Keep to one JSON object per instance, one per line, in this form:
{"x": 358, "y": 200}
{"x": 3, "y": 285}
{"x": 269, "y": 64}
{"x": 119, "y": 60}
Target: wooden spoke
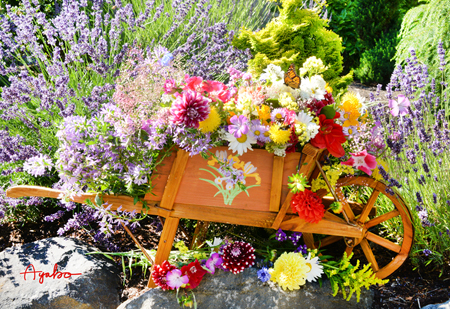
{"x": 349, "y": 250}
{"x": 369, "y": 254}
{"x": 348, "y": 210}
{"x": 327, "y": 241}
{"x": 360, "y": 212}
{"x": 368, "y": 207}
{"x": 389, "y": 215}
{"x": 383, "y": 242}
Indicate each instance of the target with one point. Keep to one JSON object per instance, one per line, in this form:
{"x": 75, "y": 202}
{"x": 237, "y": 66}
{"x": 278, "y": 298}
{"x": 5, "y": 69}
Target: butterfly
{"x": 291, "y": 79}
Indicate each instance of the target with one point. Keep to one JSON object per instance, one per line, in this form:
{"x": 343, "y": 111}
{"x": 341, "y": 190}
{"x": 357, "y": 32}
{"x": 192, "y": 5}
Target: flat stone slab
{"x": 28, "y": 278}
{"x": 223, "y": 290}
{"x": 445, "y": 305}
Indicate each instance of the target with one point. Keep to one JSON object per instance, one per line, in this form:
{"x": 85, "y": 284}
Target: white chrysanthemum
{"x": 279, "y": 87}
{"x": 312, "y": 128}
{"x": 241, "y": 144}
{"x": 316, "y": 270}
{"x": 279, "y": 152}
{"x": 313, "y": 88}
{"x": 313, "y": 65}
{"x": 272, "y": 73}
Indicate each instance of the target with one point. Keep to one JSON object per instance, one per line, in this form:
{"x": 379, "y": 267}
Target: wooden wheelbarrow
{"x": 197, "y": 189}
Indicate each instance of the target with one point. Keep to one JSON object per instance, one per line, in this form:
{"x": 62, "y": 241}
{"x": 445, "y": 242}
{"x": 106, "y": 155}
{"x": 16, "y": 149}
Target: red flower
{"x": 308, "y": 205}
{"x": 238, "y": 256}
{"x": 293, "y": 140}
{"x": 159, "y": 275}
{"x": 195, "y": 273}
{"x": 330, "y": 136}
{"x": 316, "y": 106}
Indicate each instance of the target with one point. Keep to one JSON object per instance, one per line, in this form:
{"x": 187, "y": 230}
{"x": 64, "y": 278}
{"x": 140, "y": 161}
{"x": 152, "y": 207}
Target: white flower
{"x": 279, "y": 87}
{"x": 316, "y": 270}
{"x": 350, "y": 131}
{"x": 217, "y": 242}
{"x": 272, "y": 73}
{"x": 312, "y": 128}
{"x": 313, "y": 87}
{"x": 249, "y": 168}
{"x": 279, "y": 152}
{"x": 241, "y": 144}
{"x": 167, "y": 98}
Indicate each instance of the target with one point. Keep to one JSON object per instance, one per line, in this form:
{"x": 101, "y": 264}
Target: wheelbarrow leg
{"x": 165, "y": 244}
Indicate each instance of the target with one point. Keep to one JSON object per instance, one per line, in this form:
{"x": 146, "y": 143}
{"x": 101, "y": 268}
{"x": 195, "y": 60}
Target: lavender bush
{"x": 418, "y": 141}
{"x": 61, "y": 70}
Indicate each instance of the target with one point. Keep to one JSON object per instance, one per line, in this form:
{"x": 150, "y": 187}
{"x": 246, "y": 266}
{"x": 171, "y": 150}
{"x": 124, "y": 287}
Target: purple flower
{"x": 175, "y": 279}
{"x": 295, "y": 237}
{"x": 427, "y": 252}
{"x": 37, "y": 165}
{"x": 303, "y": 249}
{"x": 263, "y": 274}
{"x": 239, "y": 126}
{"x": 214, "y": 261}
{"x": 166, "y": 59}
{"x": 400, "y": 107}
{"x": 280, "y": 235}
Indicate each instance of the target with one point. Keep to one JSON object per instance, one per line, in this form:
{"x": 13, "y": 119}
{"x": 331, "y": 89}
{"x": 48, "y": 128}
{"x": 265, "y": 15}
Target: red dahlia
{"x": 159, "y": 275}
{"x": 195, "y": 273}
{"x": 308, "y": 205}
{"x": 238, "y": 256}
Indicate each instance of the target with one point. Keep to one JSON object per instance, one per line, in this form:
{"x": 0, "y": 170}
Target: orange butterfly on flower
{"x": 291, "y": 79}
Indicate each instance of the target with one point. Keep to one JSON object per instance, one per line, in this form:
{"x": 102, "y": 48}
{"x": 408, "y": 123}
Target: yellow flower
{"x": 278, "y": 135}
{"x": 287, "y": 100}
{"x": 376, "y": 172}
{"x": 350, "y": 107}
{"x": 212, "y": 122}
{"x": 181, "y": 246}
{"x": 351, "y": 119}
{"x": 290, "y": 271}
{"x": 264, "y": 113}
{"x": 328, "y": 88}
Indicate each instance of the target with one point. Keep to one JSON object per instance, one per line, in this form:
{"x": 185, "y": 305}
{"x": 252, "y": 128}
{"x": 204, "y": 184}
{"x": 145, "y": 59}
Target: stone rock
{"x": 224, "y": 290}
{"x": 445, "y": 305}
{"x": 96, "y": 287}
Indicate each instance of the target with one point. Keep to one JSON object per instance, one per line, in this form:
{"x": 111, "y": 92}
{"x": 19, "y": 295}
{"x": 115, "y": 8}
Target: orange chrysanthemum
{"x": 308, "y": 205}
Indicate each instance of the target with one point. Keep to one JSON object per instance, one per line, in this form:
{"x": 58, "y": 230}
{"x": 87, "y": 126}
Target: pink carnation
{"x": 216, "y": 90}
{"x": 190, "y": 108}
{"x": 193, "y": 83}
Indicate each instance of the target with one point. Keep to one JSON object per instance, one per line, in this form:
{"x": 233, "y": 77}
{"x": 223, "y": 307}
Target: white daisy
{"x": 241, "y": 144}
{"x": 350, "y": 131}
{"x": 311, "y": 127}
{"x": 316, "y": 270}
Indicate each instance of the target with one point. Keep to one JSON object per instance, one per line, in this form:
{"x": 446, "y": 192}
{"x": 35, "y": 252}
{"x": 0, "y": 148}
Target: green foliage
{"x": 293, "y": 37}
{"x": 376, "y": 65}
{"x": 343, "y": 15}
{"x": 422, "y": 28}
{"x": 367, "y": 28}
{"x": 345, "y": 276}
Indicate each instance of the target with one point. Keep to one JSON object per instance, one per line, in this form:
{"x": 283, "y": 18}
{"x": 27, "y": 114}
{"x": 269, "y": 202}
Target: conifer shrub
{"x": 295, "y": 35}
{"x": 376, "y": 64}
{"x": 422, "y": 29}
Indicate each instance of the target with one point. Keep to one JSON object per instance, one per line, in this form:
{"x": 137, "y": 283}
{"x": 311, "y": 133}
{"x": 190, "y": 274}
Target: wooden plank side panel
{"x": 203, "y": 184}
{"x": 277, "y": 182}
{"x": 174, "y": 180}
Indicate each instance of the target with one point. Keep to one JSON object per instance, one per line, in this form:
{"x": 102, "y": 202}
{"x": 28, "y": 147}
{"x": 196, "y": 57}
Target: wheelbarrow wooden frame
{"x": 278, "y": 214}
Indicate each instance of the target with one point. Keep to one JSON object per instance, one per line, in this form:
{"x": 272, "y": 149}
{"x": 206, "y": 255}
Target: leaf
{"x": 136, "y": 199}
{"x": 98, "y": 200}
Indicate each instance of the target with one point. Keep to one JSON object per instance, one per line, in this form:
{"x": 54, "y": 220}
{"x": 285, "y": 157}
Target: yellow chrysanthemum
{"x": 264, "y": 113}
{"x": 376, "y": 172}
{"x": 290, "y": 271}
{"x": 212, "y": 122}
{"x": 350, "y": 106}
{"x": 278, "y": 135}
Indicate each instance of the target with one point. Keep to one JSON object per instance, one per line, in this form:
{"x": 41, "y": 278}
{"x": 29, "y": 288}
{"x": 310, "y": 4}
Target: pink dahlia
{"x": 238, "y": 256}
{"x": 190, "y": 108}
{"x": 170, "y": 86}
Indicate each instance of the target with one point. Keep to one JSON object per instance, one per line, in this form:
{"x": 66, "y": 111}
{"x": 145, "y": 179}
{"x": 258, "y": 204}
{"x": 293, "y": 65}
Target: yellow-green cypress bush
{"x": 295, "y": 35}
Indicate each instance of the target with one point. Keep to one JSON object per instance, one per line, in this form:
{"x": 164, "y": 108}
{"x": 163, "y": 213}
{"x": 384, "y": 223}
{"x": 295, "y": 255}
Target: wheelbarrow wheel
{"x": 372, "y": 206}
